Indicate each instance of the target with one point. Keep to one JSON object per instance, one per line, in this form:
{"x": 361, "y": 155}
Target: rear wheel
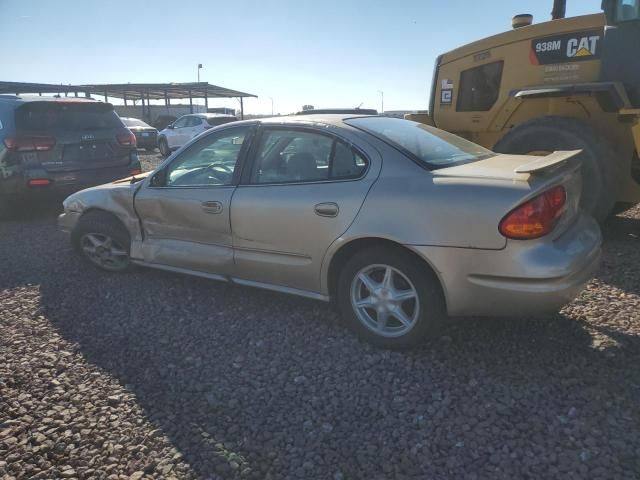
{"x": 389, "y": 299}
{"x": 163, "y": 146}
{"x": 600, "y": 169}
{"x": 103, "y": 240}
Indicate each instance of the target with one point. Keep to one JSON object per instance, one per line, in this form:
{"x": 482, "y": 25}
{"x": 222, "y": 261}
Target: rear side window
{"x": 426, "y": 145}
{"x": 479, "y": 88}
{"x": 293, "y": 156}
{"x": 57, "y": 116}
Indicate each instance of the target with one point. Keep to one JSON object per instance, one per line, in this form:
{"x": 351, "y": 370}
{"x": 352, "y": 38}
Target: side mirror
{"x": 158, "y": 179}
{"x": 170, "y": 126}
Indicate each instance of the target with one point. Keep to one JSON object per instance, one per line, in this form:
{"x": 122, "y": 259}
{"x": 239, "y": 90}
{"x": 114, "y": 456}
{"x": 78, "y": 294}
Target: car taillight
{"x": 29, "y": 143}
{"x": 135, "y": 171}
{"x": 39, "y": 182}
{"x": 536, "y": 217}
{"x": 126, "y": 138}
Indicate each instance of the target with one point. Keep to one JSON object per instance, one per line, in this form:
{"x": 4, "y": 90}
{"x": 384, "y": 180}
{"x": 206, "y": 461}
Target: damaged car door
{"x": 184, "y": 206}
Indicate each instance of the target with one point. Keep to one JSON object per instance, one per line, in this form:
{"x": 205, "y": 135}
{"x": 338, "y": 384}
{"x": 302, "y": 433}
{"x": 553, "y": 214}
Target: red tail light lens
{"x": 127, "y": 139}
{"x": 135, "y": 171}
{"x": 29, "y": 143}
{"x": 39, "y": 182}
{"x": 535, "y": 218}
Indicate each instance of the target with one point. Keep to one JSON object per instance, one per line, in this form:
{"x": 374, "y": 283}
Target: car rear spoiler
{"x": 547, "y": 162}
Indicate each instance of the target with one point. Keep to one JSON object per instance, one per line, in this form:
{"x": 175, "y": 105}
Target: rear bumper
{"x": 62, "y": 184}
{"x": 146, "y": 142}
{"x": 526, "y": 278}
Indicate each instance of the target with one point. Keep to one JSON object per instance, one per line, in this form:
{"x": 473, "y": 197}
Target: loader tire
{"x": 600, "y": 169}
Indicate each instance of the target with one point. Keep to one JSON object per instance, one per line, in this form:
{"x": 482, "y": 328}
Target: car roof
{"x": 38, "y": 98}
{"x": 210, "y": 115}
{"x": 318, "y": 119}
{"x": 350, "y": 111}
{"x": 326, "y": 118}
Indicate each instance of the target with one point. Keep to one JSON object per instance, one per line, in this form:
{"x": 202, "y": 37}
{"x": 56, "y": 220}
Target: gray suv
{"x": 51, "y": 147}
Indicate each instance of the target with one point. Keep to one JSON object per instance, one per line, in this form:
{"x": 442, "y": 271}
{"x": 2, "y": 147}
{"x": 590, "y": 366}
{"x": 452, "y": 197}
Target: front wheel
{"x": 389, "y": 299}
{"x": 103, "y": 241}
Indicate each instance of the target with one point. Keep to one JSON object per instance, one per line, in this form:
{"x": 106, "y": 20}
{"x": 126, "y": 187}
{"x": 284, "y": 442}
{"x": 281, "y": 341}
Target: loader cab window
{"x": 627, "y": 10}
{"x": 479, "y": 87}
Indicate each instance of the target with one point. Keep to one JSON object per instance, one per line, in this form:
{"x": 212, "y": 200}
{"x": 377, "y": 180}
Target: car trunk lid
{"x": 525, "y": 177}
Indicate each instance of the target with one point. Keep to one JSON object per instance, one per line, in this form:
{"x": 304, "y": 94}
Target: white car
{"x": 187, "y": 127}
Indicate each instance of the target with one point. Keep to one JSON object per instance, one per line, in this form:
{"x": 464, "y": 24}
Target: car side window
{"x": 194, "y": 121}
{"x": 292, "y": 156}
{"x": 181, "y": 122}
{"x": 209, "y": 162}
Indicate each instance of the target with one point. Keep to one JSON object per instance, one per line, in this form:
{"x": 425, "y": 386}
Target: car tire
{"x": 412, "y": 305}
{"x": 163, "y": 146}
{"x": 102, "y": 240}
{"x": 600, "y": 169}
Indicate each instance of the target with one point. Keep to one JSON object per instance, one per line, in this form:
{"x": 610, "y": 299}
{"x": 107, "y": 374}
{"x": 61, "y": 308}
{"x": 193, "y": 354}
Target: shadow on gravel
{"x": 622, "y": 249}
{"x": 252, "y": 384}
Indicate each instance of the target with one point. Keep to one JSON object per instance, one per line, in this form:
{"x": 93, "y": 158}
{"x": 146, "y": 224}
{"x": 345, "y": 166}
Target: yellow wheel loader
{"x": 564, "y": 84}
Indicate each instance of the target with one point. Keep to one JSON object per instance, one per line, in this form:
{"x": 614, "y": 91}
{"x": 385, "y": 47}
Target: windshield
{"x": 428, "y": 145}
{"x": 57, "y": 116}
{"x": 134, "y": 122}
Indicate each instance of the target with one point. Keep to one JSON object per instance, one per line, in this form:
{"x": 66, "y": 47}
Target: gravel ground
{"x": 157, "y": 375}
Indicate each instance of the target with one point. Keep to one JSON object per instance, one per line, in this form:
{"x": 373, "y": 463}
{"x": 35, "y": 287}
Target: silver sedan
{"x": 398, "y": 223}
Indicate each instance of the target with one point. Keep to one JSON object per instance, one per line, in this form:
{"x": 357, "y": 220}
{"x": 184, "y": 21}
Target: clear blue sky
{"x": 328, "y": 53}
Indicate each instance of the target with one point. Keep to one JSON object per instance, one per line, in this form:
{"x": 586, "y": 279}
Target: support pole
{"x": 206, "y": 100}
{"x": 241, "y": 109}
{"x": 190, "y": 102}
{"x": 148, "y": 106}
{"x": 143, "y": 109}
{"x": 105, "y": 97}
{"x": 124, "y": 97}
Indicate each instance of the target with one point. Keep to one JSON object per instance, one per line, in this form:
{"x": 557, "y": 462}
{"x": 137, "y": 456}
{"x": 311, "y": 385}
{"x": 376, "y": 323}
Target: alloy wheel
{"x": 385, "y": 300}
{"x": 104, "y": 251}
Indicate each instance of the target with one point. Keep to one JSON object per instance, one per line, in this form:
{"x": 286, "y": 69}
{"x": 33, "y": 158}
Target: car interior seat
{"x": 302, "y": 166}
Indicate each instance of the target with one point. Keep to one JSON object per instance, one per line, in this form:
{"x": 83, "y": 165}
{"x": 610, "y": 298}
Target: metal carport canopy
{"x": 160, "y": 91}
{"x": 165, "y": 91}
{"x": 134, "y": 91}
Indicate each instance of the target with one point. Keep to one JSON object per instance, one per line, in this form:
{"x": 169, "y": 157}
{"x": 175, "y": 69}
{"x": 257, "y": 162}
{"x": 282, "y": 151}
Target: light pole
{"x": 381, "y": 101}
{"x": 199, "y": 67}
{"x": 271, "y": 105}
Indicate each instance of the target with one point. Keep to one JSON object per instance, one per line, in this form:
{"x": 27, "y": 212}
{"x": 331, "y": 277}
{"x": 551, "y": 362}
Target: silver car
{"x": 398, "y": 223}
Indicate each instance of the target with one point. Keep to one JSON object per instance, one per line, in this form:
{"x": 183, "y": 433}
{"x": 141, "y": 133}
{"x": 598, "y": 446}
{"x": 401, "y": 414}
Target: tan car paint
{"x": 277, "y": 240}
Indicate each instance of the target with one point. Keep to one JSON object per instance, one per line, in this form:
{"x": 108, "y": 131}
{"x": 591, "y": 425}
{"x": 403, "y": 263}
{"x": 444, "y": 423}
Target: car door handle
{"x": 327, "y": 209}
{"x": 212, "y": 207}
